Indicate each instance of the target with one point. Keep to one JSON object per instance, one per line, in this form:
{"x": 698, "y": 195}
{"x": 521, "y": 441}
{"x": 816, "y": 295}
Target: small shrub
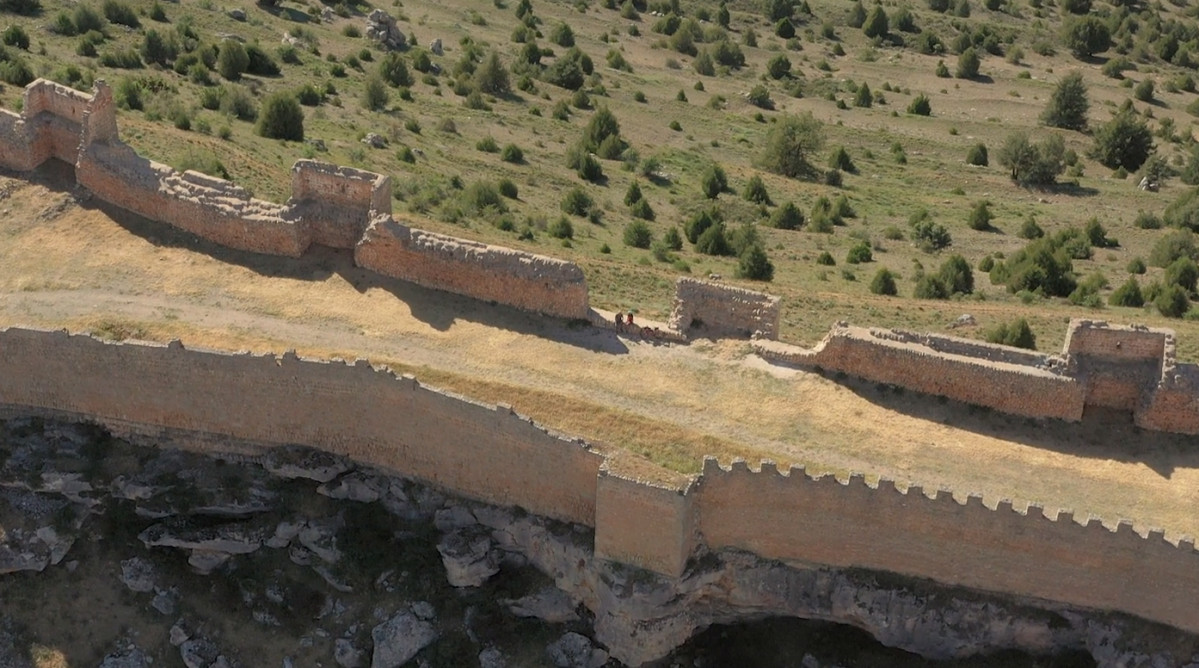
{"x": 980, "y": 216}
{"x": 1136, "y": 266}
{"x": 1017, "y": 334}
{"x": 487, "y": 145}
{"x": 920, "y": 106}
{"x": 787, "y": 217}
{"x": 840, "y": 160}
{"x": 1029, "y": 229}
{"x": 1172, "y": 301}
{"x": 577, "y": 202}
{"x": 120, "y": 13}
{"x": 753, "y": 264}
{"x": 561, "y": 228}
{"x": 281, "y": 118}
{"x": 512, "y": 153}
{"x": 508, "y": 189}
{"x": 826, "y": 259}
{"x": 637, "y": 234}
{"x": 883, "y": 283}
{"x": 1128, "y": 294}
{"x": 977, "y": 155}
{"x": 859, "y": 253}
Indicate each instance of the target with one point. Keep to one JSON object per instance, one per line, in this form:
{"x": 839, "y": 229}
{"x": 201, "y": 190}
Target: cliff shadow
{"x": 1102, "y": 433}
{"x": 436, "y": 308}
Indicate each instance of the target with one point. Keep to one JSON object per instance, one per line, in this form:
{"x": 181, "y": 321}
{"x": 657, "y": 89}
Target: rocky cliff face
{"x": 298, "y": 558}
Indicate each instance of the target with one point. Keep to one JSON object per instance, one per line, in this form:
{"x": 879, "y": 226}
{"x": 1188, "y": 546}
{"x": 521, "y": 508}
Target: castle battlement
{"x": 239, "y": 402}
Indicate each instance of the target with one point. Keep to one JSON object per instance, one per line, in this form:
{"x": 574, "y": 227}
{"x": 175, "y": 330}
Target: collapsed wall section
{"x": 491, "y": 273}
{"x": 721, "y": 310}
{"x": 208, "y": 207}
{"x": 801, "y": 519}
{"x": 483, "y": 452}
{"x": 1036, "y": 387}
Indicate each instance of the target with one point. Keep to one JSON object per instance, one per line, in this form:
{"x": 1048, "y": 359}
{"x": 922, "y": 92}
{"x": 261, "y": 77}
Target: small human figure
{"x": 619, "y": 321}
{"x": 630, "y": 320}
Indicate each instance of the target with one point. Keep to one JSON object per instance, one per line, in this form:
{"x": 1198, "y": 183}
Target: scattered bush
{"x": 577, "y": 203}
{"x": 1033, "y": 164}
{"x": 637, "y": 234}
{"x": 1128, "y": 294}
{"x": 883, "y": 283}
{"x": 980, "y": 216}
{"x": 512, "y": 153}
{"x": 713, "y": 182}
{"x": 1125, "y": 141}
{"x": 859, "y": 253}
{"x": 1017, "y": 334}
{"x": 232, "y": 60}
{"x": 920, "y": 106}
{"x": 755, "y": 191}
{"x": 561, "y": 229}
{"x": 281, "y": 118}
{"x": 977, "y": 155}
{"x": 1172, "y": 301}
{"x": 789, "y": 145}
{"x": 1068, "y": 105}
{"x": 120, "y": 13}
{"x": 754, "y": 264}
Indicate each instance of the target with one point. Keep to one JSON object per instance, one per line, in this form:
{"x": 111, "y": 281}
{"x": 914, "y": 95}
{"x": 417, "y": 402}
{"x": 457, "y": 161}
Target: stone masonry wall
{"x": 208, "y": 207}
{"x": 526, "y": 281}
{"x": 240, "y": 402}
{"x": 724, "y": 310}
{"x": 645, "y": 524}
{"x": 483, "y": 452}
{"x": 330, "y": 205}
{"x": 337, "y": 203}
{"x": 16, "y": 150}
{"x": 1013, "y": 388}
{"x": 797, "y": 518}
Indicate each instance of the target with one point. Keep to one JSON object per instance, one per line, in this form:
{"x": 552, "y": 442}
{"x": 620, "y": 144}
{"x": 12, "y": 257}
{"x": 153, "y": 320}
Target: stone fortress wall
{"x": 1131, "y": 369}
{"x": 222, "y": 402}
{"x": 334, "y": 206}
{"x": 241, "y": 403}
{"x": 330, "y": 205}
{"x": 724, "y": 311}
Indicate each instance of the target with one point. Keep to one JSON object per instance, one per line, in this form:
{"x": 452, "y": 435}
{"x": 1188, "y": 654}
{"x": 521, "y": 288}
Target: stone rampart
{"x": 526, "y": 281}
{"x": 647, "y": 524}
{"x": 205, "y": 206}
{"x": 242, "y": 403}
{"x": 884, "y": 356}
{"x": 1131, "y": 369}
{"x": 368, "y": 414}
{"x": 721, "y": 310}
{"x": 824, "y": 521}
{"x": 330, "y": 205}
{"x": 337, "y": 203}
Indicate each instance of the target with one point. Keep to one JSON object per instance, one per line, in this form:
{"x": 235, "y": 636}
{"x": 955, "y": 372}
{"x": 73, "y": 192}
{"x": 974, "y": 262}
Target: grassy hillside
{"x": 678, "y": 124}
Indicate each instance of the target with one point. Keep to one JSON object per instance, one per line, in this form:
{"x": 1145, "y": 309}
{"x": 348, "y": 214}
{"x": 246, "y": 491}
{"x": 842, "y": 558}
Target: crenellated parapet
{"x": 796, "y": 517}
{"x": 173, "y": 396}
